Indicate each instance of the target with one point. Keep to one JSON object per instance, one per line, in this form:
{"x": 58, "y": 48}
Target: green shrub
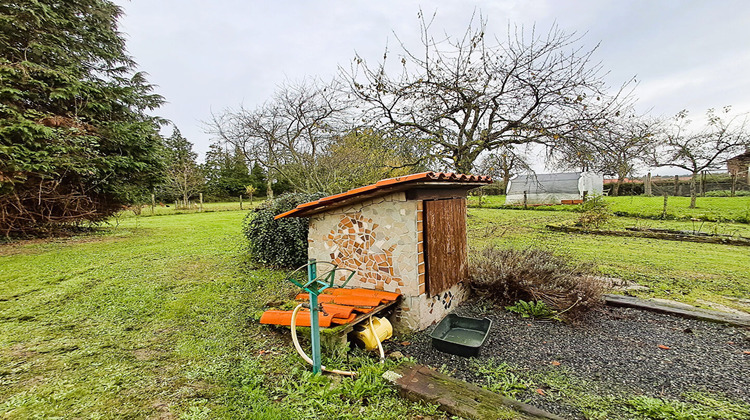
{"x": 278, "y": 243}
{"x": 509, "y": 275}
{"x": 727, "y": 193}
{"x": 595, "y": 212}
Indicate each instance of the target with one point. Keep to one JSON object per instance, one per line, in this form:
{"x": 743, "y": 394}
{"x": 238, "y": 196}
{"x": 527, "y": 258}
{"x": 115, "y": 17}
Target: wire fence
{"x": 706, "y": 184}
{"x": 192, "y": 206}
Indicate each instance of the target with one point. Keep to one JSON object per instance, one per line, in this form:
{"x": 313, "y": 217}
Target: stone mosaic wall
{"x": 419, "y": 312}
{"x": 377, "y": 238}
{"x": 357, "y": 244}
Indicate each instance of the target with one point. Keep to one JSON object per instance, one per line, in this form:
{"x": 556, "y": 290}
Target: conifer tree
{"x": 76, "y": 139}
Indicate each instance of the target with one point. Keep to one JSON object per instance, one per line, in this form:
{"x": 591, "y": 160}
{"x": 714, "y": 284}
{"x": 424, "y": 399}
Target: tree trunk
{"x": 506, "y": 179}
{"x": 618, "y": 184}
{"x": 693, "y": 190}
{"x": 464, "y": 160}
{"x": 269, "y": 190}
{"x": 184, "y": 188}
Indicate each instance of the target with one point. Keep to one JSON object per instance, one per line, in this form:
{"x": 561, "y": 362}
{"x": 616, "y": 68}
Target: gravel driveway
{"x": 614, "y": 348}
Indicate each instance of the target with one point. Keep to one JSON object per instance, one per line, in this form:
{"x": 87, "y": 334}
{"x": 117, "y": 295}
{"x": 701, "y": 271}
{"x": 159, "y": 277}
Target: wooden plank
{"x": 457, "y": 397}
{"x": 445, "y": 244}
{"x": 664, "y": 308}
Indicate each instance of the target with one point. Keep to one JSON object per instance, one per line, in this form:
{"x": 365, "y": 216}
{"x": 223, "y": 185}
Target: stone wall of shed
{"x": 382, "y": 241}
{"x": 377, "y": 238}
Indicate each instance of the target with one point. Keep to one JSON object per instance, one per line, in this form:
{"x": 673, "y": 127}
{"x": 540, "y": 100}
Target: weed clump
{"x": 507, "y": 276}
{"x": 533, "y": 309}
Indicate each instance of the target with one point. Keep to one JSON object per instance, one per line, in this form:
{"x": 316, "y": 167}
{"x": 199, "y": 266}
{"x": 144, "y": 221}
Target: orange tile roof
{"x": 339, "y": 307}
{"x": 400, "y": 181}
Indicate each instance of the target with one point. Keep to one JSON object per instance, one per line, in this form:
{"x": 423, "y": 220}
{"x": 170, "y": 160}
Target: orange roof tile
{"x": 385, "y": 185}
{"x": 285, "y": 318}
{"x": 338, "y": 305}
{"x": 382, "y": 295}
{"x": 343, "y": 300}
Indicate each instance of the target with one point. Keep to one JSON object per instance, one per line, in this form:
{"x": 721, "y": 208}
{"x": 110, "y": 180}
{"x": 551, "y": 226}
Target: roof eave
{"x": 311, "y": 210}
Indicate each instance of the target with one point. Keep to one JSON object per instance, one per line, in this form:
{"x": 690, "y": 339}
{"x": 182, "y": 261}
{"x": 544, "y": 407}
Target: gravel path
{"x": 613, "y": 348}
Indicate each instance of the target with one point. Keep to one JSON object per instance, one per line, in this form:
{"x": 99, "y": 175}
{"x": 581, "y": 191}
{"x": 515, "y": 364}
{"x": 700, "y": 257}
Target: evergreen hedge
{"x": 283, "y": 242}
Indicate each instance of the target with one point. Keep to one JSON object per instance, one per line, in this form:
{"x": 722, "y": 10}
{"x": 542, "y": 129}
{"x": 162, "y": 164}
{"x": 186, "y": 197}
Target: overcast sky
{"x": 208, "y": 56}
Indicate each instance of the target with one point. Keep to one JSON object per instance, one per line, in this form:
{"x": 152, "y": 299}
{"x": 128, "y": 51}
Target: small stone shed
{"x": 405, "y": 234}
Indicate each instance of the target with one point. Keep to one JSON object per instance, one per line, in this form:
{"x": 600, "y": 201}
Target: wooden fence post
{"x": 240, "y": 201}
{"x": 200, "y": 207}
{"x": 153, "y": 203}
{"x": 648, "y": 185}
{"x": 175, "y": 205}
{"x": 524, "y": 200}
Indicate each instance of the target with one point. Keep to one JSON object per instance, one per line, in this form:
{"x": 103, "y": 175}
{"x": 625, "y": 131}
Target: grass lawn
{"x": 155, "y": 319}
{"x": 717, "y": 209}
{"x": 684, "y": 271}
{"x": 169, "y": 208}
{"x": 707, "y": 208}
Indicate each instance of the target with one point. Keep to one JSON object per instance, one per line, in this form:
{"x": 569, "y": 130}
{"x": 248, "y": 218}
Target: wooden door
{"x": 445, "y": 244}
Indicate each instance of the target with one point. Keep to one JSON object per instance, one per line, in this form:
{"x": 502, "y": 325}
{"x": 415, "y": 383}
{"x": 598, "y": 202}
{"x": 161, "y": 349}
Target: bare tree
{"x": 183, "y": 173}
{"x": 504, "y": 163}
{"x": 622, "y": 148}
{"x": 703, "y": 149}
{"x": 613, "y": 148}
{"x": 288, "y": 134}
{"x": 468, "y": 95}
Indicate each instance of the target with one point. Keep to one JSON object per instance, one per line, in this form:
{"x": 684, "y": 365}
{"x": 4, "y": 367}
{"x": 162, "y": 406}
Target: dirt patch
{"x": 162, "y": 411}
{"x": 146, "y": 354}
{"x": 719, "y": 307}
{"x": 33, "y": 382}
{"x": 196, "y": 389}
{"x": 19, "y": 351}
{"x": 35, "y": 246}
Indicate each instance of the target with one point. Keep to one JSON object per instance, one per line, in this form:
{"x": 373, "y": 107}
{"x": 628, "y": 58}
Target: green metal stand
{"x": 314, "y": 287}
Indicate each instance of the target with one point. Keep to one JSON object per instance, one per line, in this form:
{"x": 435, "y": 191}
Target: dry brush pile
{"x": 507, "y": 276}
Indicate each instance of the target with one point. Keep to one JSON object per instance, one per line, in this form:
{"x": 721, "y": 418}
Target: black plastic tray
{"x": 460, "y": 335}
